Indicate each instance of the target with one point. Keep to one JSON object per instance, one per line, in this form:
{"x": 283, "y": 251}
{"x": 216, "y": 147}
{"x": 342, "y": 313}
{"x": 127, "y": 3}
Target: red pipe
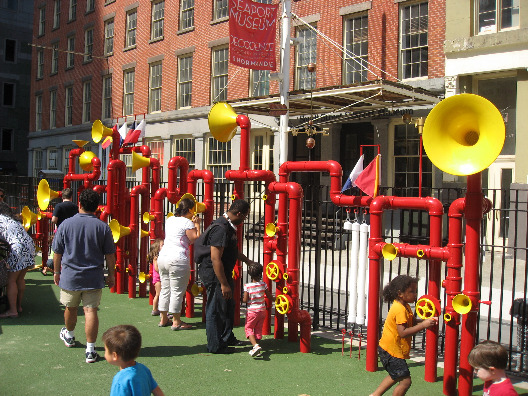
{"x": 134, "y": 237}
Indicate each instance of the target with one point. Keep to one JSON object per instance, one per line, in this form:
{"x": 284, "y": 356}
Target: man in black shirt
{"x": 65, "y": 209}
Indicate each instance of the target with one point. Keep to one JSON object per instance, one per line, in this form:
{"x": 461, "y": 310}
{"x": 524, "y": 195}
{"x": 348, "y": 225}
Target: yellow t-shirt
{"x": 390, "y": 340}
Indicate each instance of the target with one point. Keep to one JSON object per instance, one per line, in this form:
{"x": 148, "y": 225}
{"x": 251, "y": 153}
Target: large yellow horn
{"x": 85, "y": 161}
{"x": 147, "y": 217}
{"x": 271, "y": 229}
{"x": 222, "y": 122}
{"x": 198, "y": 207}
{"x": 461, "y": 304}
{"x": 118, "y": 230}
{"x": 99, "y": 131}
{"x": 463, "y": 134}
{"x": 389, "y": 251}
{"x": 29, "y": 218}
{"x": 45, "y": 194}
{"x": 138, "y": 161}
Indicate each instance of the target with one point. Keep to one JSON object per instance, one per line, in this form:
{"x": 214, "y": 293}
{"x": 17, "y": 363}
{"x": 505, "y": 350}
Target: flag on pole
{"x": 368, "y": 180}
{"x": 135, "y": 134}
{"x": 108, "y": 141}
{"x": 350, "y": 182}
{"x": 123, "y": 132}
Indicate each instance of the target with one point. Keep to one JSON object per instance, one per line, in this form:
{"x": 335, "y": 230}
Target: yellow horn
{"x": 29, "y": 218}
{"x": 461, "y": 304}
{"x": 144, "y": 234}
{"x": 389, "y": 251}
{"x": 463, "y": 134}
{"x": 147, "y": 217}
{"x": 170, "y": 214}
{"x": 138, "y": 161}
{"x": 118, "y": 230}
{"x": 45, "y": 194}
{"x": 142, "y": 277}
{"x": 198, "y": 207}
{"x": 222, "y": 122}
{"x": 99, "y": 131}
{"x": 80, "y": 143}
{"x": 85, "y": 161}
{"x": 271, "y": 229}
{"x": 195, "y": 289}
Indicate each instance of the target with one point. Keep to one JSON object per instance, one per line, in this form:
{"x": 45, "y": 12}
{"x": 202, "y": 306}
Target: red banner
{"x": 252, "y": 34}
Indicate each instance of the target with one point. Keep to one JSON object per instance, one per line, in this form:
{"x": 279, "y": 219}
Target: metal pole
{"x": 285, "y": 81}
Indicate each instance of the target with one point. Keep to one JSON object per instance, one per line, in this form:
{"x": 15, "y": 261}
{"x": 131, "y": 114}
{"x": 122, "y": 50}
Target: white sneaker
{"x": 256, "y": 351}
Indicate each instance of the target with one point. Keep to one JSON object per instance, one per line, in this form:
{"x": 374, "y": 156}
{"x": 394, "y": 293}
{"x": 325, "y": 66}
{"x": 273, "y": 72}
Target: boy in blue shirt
{"x": 122, "y": 344}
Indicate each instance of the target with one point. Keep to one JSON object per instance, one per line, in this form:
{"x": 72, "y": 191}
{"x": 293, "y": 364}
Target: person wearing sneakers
{"x": 254, "y": 293}
{"x": 81, "y": 245}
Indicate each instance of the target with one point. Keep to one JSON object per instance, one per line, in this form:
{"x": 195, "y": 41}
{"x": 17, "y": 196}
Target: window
{"x": 53, "y": 109}
{"x": 259, "y": 83}
{"x": 55, "y": 58}
{"x": 185, "y": 65}
{"x": 9, "y": 4}
{"x": 88, "y": 45}
{"x": 355, "y": 66}
{"x": 262, "y": 155}
{"x": 158, "y": 10}
{"x": 9, "y": 95}
{"x": 184, "y": 147}
{"x": 87, "y": 101}
{"x": 68, "y": 107}
{"x": 37, "y": 162}
{"x": 156, "y": 150}
{"x": 72, "y": 14}
{"x": 414, "y": 48}
{"x": 186, "y": 14}
{"x": 218, "y": 158}
{"x": 38, "y": 112}
{"x": 70, "y": 59}
{"x": 40, "y": 63}
{"x": 42, "y": 21}
{"x": 155, "y": 87}
{"x": 52, "y": 159}
{"x": 90, "y": 5}
{"x": 107, "y": 97}
{"x": 109, "y": 37}
{"x": 131, "y": 25}
{"x": 219, "y": 75}
{"x": 56, "y": 14}
{"x": 503, "y": 14}
{"x": 66, "y": 160}
{"x": 10, "y": 50}
{"x": 7, "y": 140}
{"x": 129, "y": 92}
{"x": 220, "y": 9}
{"x": 306, "y": 53}
{"x": 127, "y": 159}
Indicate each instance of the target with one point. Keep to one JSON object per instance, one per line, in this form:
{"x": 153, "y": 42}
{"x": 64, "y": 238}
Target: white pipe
{"x": 284, "y": 85}
{"x": 352, "y": 278}
{"x": 362, "y": 273}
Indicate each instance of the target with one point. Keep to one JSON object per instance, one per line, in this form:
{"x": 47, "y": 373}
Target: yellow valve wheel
{"x": 425, "y": 308}
{"x": 272, "y": 271}
{"x": 282, "y": 304}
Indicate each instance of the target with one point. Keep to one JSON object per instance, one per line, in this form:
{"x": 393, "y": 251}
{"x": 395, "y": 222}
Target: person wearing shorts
{"x": 81, "y": 245}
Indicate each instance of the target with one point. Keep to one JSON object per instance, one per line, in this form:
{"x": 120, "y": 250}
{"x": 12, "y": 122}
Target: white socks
{"x": 90, "y": 346}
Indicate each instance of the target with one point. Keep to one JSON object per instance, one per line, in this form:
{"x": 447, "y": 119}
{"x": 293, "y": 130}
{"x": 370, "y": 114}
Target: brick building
{"x": 168, "y": 61}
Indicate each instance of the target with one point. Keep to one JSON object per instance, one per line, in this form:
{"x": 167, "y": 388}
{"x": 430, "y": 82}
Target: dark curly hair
{"x": 89, "y": 200}
{"x": 255, "y": 271}
{"x": 396, "y": 286}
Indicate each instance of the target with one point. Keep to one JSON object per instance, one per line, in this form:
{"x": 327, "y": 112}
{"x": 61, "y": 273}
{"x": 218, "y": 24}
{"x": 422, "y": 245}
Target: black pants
{"x": 219, "y": 317}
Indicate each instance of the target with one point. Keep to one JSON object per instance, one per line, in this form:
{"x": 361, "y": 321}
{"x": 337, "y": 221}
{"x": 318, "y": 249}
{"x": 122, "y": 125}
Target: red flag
{"x": 133, "y": 136}
{"x": 108, "y": 141}
{"x": 368, "y": 180}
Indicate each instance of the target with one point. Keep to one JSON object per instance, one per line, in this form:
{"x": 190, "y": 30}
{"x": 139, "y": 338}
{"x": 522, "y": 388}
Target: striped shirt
{"x": 256, "y": 291}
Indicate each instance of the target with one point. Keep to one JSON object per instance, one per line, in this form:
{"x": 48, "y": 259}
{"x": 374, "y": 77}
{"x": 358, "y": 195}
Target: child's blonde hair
{"x": 154, "y": 249}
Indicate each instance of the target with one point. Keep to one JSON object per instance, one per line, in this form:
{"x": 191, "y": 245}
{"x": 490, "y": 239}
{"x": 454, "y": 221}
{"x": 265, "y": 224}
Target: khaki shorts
{"x": 89, "y": 298}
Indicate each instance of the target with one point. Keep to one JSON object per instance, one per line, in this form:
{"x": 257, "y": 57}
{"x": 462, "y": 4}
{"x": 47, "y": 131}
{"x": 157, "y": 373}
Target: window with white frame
{"x": 262, "y": 155}
{"x": 260, "y": 82}
{"x": 131, "y": 26}
{"x": 90, "y": 5}
{"x": 42, "y": 21}
{"x": 306, "y": 53}
{"x": 53, "y": 109}
{"x": 109, "y": 37}
{"x": 156, "y": 150}
{"x": 88, "y": 45}
{"x": 68, "y": 106}
{"x": 219, "y": 74}
{"x": 186, "y": 14}
{"x": 355, "y": 66}
{"x": 496, "y": 15}
{"x": 66, "y": 160}
{"x": 87, "y": 101}
{"x": 7, "y": 139}
{"x": 128, "y": 102}
{"x": 52, "y": 159}
{"x": 55, "y": 58}
{"x": 40, "y": 63}
{"x": 10, "y": 51}
{"x": 218, "y": 158}
{"x": 185, "y": 67}
{"x": 158, "y": 15}
{"x": 107, "y": 97}
{"x": 37, "y": 162}
{"x": 8, "y": 94}
{"x": 56, "y": 14}
{"x": 72, "y": 13}
{"x": 127, "y": 159}
{"x": 220, "y": 9}
{"x": 184, "y": 147}
{"x": 38, "y": 112}
{"x": 414, "y": 41}
{"x": 155, "y": 87}
{"x": 70, "y": 57}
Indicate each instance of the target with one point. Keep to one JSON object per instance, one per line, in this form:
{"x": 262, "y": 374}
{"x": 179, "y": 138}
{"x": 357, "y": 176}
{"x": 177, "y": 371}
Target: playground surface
{"x": 34, "y": 361}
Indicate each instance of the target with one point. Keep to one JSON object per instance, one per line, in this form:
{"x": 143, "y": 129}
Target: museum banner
{"x": 252, "y": 29}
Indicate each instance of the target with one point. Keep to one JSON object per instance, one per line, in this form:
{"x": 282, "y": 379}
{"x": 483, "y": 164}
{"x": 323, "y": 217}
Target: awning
{"x": 361, "y": 97}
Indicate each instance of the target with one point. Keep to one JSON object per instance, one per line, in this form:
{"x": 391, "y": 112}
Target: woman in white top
{"x": 181, "y": 230}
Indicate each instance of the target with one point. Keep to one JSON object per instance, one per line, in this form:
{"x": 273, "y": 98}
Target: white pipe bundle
{"x": 362, "y": 273}
{"x": 352, "y": 277}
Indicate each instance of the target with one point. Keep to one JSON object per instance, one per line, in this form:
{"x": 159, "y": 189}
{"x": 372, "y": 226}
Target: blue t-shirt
{"x": 133, "y": 381}
{"x": 83, "y": 240}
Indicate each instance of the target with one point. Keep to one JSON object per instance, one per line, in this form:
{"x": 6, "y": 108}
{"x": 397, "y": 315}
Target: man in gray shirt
{"x": 81, "y": 245}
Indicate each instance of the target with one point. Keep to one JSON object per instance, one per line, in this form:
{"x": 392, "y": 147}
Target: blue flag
{"x": 351, "y": 181}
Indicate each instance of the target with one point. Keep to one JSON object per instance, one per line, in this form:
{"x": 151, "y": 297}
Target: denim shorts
{"x": 396, "y": 367}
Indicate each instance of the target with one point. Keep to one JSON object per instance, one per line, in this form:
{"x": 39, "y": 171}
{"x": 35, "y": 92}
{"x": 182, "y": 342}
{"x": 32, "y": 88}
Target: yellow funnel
{"x": 389, "y": 251}
{"x": 80, "y": 143}
{"x": 138, "y": 161}
{"x": 198, "y": 207}
{"x": 99, "y": 131}
{"x": 271, "y": 229}
{"x": 118, "y": 230}
{"x": 222, "y": 122}
{"x": 45, "y": 194}
{"x": 461, "y": 304}
{"x": 29, "y": 218}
